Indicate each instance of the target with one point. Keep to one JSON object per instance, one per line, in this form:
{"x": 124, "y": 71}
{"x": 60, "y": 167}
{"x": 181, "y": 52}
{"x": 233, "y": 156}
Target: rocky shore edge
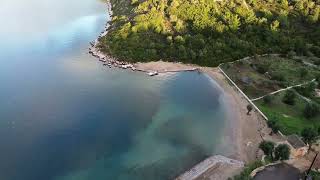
{"x": 151, "y": 68}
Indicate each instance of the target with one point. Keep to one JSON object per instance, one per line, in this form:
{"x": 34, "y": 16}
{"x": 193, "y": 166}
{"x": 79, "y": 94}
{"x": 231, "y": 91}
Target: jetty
{"x": 218, "y": 163}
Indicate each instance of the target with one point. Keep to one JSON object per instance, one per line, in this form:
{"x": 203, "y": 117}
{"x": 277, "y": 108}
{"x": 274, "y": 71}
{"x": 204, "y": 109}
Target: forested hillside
{"x": 208, "y": 32}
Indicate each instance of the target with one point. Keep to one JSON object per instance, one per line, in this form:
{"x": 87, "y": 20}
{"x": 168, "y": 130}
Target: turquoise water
{"x": 63, "y": 116}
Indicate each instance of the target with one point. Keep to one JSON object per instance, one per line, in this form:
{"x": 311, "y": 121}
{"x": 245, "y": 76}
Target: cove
{"x": 63, "y": 116}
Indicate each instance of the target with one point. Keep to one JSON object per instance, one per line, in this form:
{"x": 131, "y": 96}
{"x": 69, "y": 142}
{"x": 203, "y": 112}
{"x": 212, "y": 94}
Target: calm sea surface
{"x": 63, "y": 116}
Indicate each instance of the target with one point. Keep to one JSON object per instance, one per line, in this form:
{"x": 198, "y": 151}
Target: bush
{"x": 245, "y": 174}
{"x": 179, "y": 39}
{"x": 262, "y": 68}
{"x": 309, "y": 54}
{"x": 315, "y": 175}
{"x": 298, "y": 60}
{"x": 283, "y": 84}
{"x": 303, "y": 72}
{"x": 315, "y": 60}
{"x": 267, "y": 147}
{"x": 308, "y": 90}
{"x": 291, "y": 54}
{"x": 289, "y": 97}
{"x": 318, "y": 78}
{"x": 278, "y": 77}
{"x": 267, "y": 99}
{"x": 282, "y": 152}
{"x": 226, "y": 66}
{"x": 249, "y": 108}
{"x": 273, "y": 125}
{"x": 309, "y": 135}
{"x": 311, "y": 110}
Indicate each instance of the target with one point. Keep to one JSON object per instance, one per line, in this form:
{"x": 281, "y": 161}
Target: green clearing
{"x": 290, "y": 118}
{"x": 261, "y": 75}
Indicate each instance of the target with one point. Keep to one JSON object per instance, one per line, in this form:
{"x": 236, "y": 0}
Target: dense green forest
{"x": 209, "y": 32}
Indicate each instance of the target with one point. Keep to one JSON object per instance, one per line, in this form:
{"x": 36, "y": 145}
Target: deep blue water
{"x": 63, "y": 116}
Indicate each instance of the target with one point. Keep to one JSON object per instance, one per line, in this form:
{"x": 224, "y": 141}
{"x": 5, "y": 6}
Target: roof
{"x": 295, "y": 141}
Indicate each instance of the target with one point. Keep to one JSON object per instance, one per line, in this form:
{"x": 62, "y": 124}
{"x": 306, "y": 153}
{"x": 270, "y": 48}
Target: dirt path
{"x": 284, "y": 89}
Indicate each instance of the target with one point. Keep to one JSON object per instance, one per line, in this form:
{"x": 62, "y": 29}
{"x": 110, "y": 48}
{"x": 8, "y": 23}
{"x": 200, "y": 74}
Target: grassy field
{"x": 262, "y": 75}
{"x": 290, "y": 118}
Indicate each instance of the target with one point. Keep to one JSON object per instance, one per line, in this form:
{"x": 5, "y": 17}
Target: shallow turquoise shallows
{"x": 64, "y": 116}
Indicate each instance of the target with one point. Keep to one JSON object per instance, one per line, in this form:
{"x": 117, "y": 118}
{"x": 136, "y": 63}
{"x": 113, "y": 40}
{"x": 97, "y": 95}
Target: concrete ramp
{"x": 214, "y": 167}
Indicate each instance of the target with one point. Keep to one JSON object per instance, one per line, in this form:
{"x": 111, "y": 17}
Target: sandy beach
{"x": 244, "y": 131}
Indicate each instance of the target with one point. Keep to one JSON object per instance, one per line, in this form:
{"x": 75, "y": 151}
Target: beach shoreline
{"x": 245, "y": 131}
{"x": 236, "y": 103}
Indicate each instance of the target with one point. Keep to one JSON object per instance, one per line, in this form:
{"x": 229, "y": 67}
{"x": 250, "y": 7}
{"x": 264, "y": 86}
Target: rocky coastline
{"x": 151, "y": 68}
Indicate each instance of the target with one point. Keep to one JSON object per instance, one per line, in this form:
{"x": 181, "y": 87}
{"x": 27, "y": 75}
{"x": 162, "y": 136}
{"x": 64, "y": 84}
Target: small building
{"x": 298, "y": 147}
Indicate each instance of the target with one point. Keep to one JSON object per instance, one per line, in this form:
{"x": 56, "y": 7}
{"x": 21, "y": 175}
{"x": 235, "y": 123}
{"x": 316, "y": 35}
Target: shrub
{"x": 298, "y": 60}
{"x": 277, "y": 76}
{"x": 249, "y": 108}
{"x": 303, "y": 72}
{"x": 283, "y": 84}
{"x": 134, "y": 2}
{"x": 267, "y": 99}
{"x": 245, "y": 174}
{"x": 289, "y": 97}
{"x": 315, "y": 175}
{"x": 169, "y": 39}
{"x": 282, "y": 152}
{"x": 262, "y": 68}
{"x": 226, "y": 66}
{"x": 315, "y": 50}
{"x": 309, "y": 135}
{"x": 318, "y": 79}
{"x": 309, "y": 54}
{"x": 307, "y": 90}
{"x": 273, "y": 125}
{"x": 267, "y": 147}
{"x": 179, "y": 39}
{"x": 311, "y": 110}
{"x": 315, "y": 60}
{"x": 291, "y": 54}
{"x": 275, "y": 128}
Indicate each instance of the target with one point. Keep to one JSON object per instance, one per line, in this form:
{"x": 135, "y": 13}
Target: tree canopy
{"x": 309, "y": 135}
{"x": 282, "y": 152}
{"x": 267, "y": 147}
{"x": 209, "y": 32}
